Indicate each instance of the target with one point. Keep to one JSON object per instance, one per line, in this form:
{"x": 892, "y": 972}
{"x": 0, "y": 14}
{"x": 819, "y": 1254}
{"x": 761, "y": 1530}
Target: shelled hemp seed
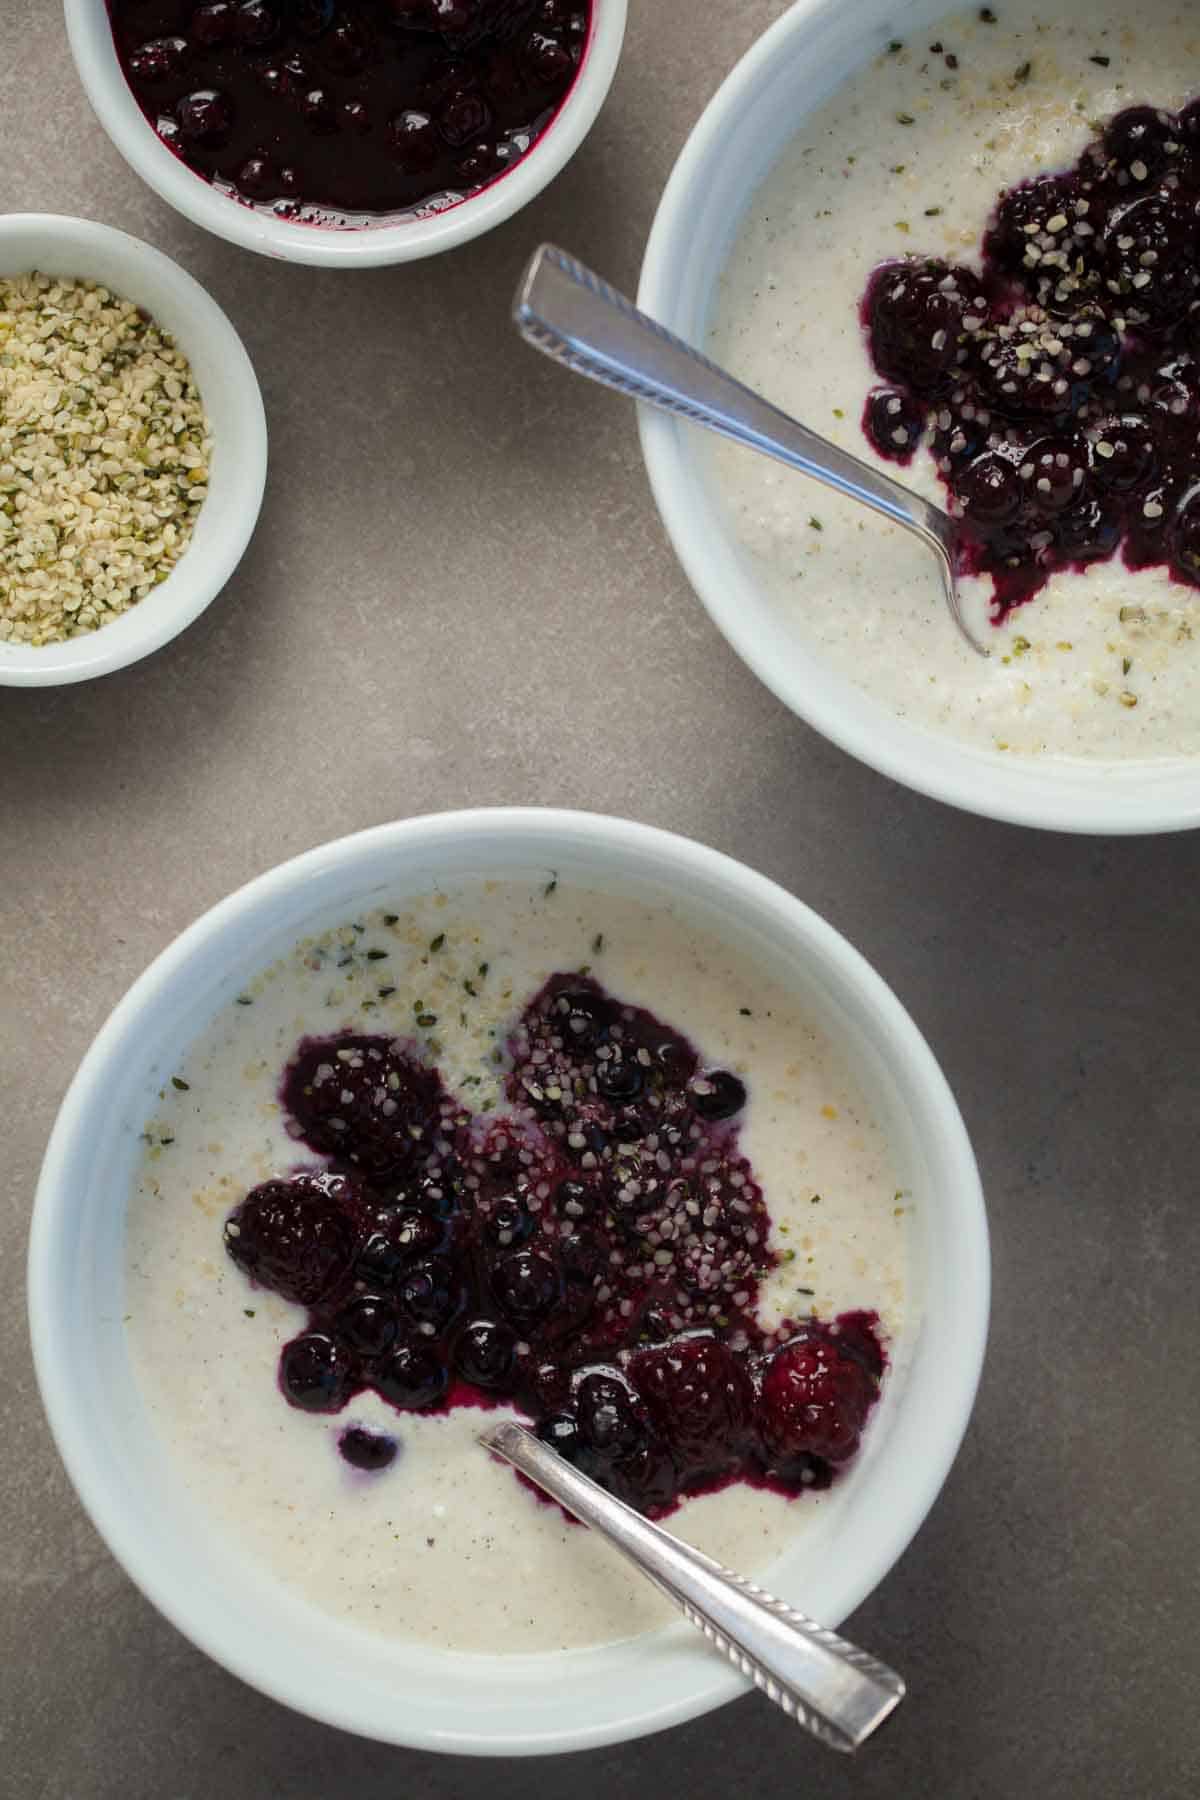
{"x": 104, "y": 457}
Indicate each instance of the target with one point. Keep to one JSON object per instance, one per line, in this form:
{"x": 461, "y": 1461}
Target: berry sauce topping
{"x": 593, "y": 1255}
{"x": 344, "y": 112}
{"x": 1059, "y": 391}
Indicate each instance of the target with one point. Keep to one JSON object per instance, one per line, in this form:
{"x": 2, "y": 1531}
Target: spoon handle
{"x": 569, "y": 313}
{"x": 839, "y": 1693}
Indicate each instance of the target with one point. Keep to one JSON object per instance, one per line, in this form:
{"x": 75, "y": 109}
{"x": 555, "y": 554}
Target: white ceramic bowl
{"x": 405, "y": 1693}
{"x": 359, "y": 248}
{"x": 226, "y": 379}
{"x": 792, "y": 69}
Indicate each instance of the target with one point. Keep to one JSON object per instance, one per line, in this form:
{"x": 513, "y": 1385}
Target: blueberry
{"x": 299, "y": 72}
{"x": 349, "y": 46}
{"x": 548, "y": 59}
{"x": 463, "y": 116}
{"x": 432, "y": 1194}
{"x": 1025, "y": 363}
{"x": 412, "y": 1378}
{"x": 453, "y": 16}
{"x": 355, "y": 116}
{"x": 483, "y": 1353}
{"x": 575, "y": 1200}
{"x": 547, "y": 1387}
{"x": 620, "y": 1080}
{"x": 315, "y": 1373}
{"x": 414, "y": 141}
{"x": 956, "y": 440}
{"x": 395, "y": 1242}
{"x": 1150, "y": 257}
{"x": 1124, "y": 453}
{"x": 717, "y": 1094}
{"x": 482, "y": 161}
{"x": 1143, "y": 141}
{"x": 527, "y": 1285}
{"x": 159, "y": 60}
{"x": 318, "y": 110}
{"x": 368, "y": 1325}
{"x": 257, "y": 24}
{"x": 674, "y": 1058}
{"x": 1019, "y": 223}
{"x": 432, "y": 1292}
{"x": 214, "y": 24}
{"x": 1055, "y": 471}
{"x": 1176, "y": 398}
{"x": 508, "y": 1225}
{"x": 583, "y": 1015}
{"x": 205, "y": 117}
{"x": 272, "y": 79}
{"x": 989, "y": 490}
{"x": 561, "y": 1431}
{"x": 893, "y": 422}
{"x": 370, "y": 1451}
{"x": 312, "y": 18}
{"x": 1087, "y": 532}
{"x": 1185, "y": 538}
{"x": 257, "y": 179}
{"x": 608, "y": 1419}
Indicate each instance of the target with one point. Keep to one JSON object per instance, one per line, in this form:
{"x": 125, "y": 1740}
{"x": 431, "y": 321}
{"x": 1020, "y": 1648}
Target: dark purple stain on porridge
{"x": 593, "y": 1255}
{"x": 360, "y": 110}
{"x": 1059, "y": 391}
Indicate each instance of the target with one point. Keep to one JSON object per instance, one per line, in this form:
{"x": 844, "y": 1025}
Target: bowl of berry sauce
{"x": 300, "y": 1248}
{"x": 963, "y": 244}
{"x": 348, "y": 134}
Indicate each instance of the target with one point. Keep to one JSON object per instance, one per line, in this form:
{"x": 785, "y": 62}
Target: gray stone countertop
{"x": 460, "y": 594}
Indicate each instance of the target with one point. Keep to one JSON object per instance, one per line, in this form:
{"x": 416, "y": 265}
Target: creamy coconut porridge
{"x": 908, "y": 159}
{"x": 550, "y": 1150}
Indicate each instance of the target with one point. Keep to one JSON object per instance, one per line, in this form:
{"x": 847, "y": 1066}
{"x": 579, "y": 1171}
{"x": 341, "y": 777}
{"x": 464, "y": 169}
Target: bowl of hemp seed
{"x": 133, "y": 450}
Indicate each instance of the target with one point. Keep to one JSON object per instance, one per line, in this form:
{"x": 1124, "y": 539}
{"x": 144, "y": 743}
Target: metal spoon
{"x": 839, "y": 1693}
{"x": 570, "y": 314}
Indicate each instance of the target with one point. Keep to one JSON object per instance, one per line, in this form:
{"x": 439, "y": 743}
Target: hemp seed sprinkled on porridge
{"x": 104, "y": 457}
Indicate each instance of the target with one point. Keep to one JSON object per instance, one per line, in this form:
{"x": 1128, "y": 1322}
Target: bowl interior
{"x": 229, "y": 390}
{"x": 92, "y": 45}
{"x": 244, "y": 1617}
{"x": 793, "y": 69}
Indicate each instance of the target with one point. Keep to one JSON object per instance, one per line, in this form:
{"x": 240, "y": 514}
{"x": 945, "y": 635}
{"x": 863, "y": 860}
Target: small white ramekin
{"x": 409, "y": 1693}
{"x": 792, "y": 69}
{"x": 229, "y": 390}
{"x": 92, "y": 45}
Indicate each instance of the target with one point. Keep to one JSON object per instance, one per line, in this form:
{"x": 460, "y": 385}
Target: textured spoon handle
{"x": 839, "y": 1693}
{"x": 569, "y": 313}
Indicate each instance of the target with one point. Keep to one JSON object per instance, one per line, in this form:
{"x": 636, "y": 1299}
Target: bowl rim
{"x": 1108, "y": 797}
{"x": 163, "y": 615}
{"x": 165, "y": 1582}
{"x": 113, "y": 103}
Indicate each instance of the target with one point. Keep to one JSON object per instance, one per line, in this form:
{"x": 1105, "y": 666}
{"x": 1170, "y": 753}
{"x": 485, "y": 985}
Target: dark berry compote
{"x": 350, "y": 112}
{"x": 592, "y": 1254}
{"x": 1059, "y": 390}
